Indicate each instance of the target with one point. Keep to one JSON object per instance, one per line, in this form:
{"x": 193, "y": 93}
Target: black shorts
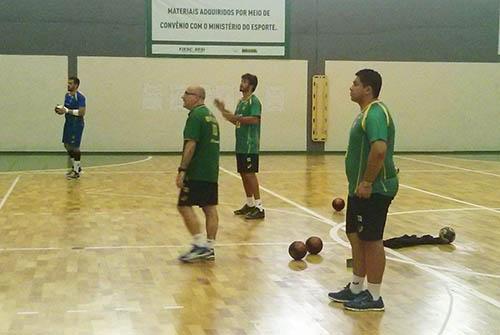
{"x": 367, "y": 216}
{"x": 198, "y": 193}
{"x": 247, "y": 163}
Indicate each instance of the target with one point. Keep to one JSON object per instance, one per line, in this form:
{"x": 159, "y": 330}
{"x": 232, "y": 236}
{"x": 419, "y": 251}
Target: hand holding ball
{"x": 60, "y": 109}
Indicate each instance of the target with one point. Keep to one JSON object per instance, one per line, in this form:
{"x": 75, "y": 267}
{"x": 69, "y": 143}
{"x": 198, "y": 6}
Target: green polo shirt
{"x": 374, "y": 123}
{"x": 202, "y": 127}
{"x": 248, "y": 135}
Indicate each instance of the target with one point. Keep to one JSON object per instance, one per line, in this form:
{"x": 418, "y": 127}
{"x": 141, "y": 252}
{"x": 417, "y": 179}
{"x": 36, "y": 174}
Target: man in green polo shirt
{"x": 247, "y": 118}
{"x": 198, "y": 174}
{"x": 373, "y": 183}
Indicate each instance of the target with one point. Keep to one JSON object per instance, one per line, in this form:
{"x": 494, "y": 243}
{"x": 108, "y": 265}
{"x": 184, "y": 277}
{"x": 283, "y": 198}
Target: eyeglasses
{"x": 190, "y": 93}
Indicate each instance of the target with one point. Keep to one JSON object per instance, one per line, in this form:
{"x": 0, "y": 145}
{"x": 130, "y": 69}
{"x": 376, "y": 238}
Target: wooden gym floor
{"x": 98, "y": 255}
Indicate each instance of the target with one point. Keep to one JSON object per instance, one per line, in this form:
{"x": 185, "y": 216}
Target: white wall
{"x": 30, "y": 87}
{"x": 134, "y": 104}
{"x": 436, "y": 106}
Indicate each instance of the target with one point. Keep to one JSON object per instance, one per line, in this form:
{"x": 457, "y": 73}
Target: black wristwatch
{"x": 181, "y": 169}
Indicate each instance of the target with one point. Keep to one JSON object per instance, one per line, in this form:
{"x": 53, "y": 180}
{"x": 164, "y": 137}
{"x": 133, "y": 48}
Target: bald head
{"x": 200, "y": 91}
{"x": 193, "y": 97}
{"x": 197, "y": 90}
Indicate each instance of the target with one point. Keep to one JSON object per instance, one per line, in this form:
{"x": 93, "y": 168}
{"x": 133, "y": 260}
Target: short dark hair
{"x": 75, "y": 80}
{"x": 252, "y": 80}
{"x": 372, "y": 78}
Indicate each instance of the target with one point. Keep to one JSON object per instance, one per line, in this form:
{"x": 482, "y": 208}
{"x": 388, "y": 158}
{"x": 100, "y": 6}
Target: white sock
{"x": 258, "y": 204}
{"x": 210, "y": 243}
{"x": 250, "y": 202}
{"x": 76, "y": 166}
{"x": 356, "y": 284}
{"x": 374, "y": 289}
{"x": 199, "y": 240}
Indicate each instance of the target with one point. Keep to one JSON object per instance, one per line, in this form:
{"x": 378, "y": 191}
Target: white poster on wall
{"x": 217, "y": 27}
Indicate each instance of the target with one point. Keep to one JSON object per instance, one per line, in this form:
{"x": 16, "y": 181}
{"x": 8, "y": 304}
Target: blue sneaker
{"x": 343, "y": 295}
{"x": 197, "y": 254}
{"x": 255, "y": 214}
{"x": 364, "y": 302}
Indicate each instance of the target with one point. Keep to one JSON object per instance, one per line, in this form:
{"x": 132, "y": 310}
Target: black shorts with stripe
{"x": 367, "y": 217}
{"x": 247, "y": 163}
{"x": 198, "y": 193}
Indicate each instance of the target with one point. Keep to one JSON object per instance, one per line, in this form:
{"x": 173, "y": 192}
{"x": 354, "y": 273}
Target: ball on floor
{"x": 447, "y": 234}
{"x": 297, "y": 250}
{"x": 338, "y": 204}
{"x": 314, "y": 245}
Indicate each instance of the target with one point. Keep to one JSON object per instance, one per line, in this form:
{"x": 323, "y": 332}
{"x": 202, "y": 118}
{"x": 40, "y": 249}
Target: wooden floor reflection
{"x": 98, "y": 255}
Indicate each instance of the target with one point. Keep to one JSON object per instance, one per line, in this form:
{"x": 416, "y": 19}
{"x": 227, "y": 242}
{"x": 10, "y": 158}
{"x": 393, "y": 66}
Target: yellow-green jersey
{"x": 248, "y": 135}
{"x": 202, "y": 127}
{"x": 374, "y": 123}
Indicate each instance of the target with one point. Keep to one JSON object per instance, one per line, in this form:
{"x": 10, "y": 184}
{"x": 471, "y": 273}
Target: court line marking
{"x": 118, "y": 309}
{"x": 465, "y": 209}
{"x": 336, "y": 227}
{"x": 330, "y": 222}
{"x": 289, "y": 212}
{"x": 444, "y": 278}
{"x": 465, "y": 159}
{"x": 449, "y": 166}
{"x": 450, "y": 198}
{"x": 170, "y": 172}
{"x": 86, "y": 167}
{"x": 235, "y": 244}
{"x": 9, "y": 192}
{"x": 158, "y": 246}
{"x": 173, "y": 307}
{"x": 342, "y": 172}
{"x": 239, "y": 244}
{"x": 450, "y": 309}
{"x": 127, "y": 309}
{"x": 86, "y": 172}
{"x": 443, "y": 268}
{"x": 173, "y": 246}
{"x": 29, "y": 249}
{"x": 470, "y": 290}
{"x": 291, "y": 202}
{"x": 166, "y": 197}
{"x": 465, "y": 272}
{"x": 325, "y": 220}
{"x": 27, "y": 313}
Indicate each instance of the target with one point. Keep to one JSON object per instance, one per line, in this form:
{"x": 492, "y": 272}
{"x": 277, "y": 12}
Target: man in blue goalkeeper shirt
{"x": 74, "y": 111}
